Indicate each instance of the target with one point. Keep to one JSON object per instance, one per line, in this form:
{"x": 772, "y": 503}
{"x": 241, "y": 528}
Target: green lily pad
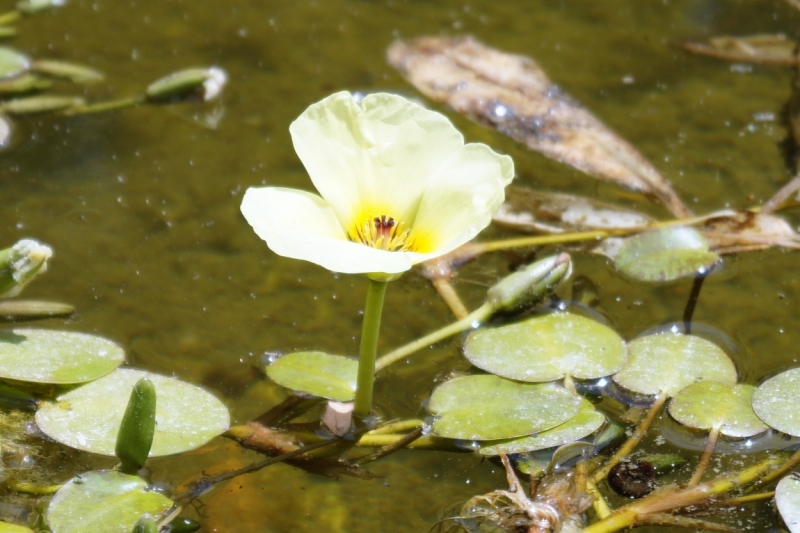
{"x": 708, "y": 404}
{"x": 12, "y": 63}
{"x": 548, "y": 347}
{"x": 669, "y": 362}
{"x": 58, "y": 357}
{"x": 776, "y": 400}
{"x": 88, "y": 418}
{"x": 664, "y": 254}
{"x": 5, "y": 527}
{"x": 329, "y": 376}
{"x": 103, "y": 501}
{"x": 787, "y": 497}
{"x": 490, "y": 407}
{"x": 586, "y": 422}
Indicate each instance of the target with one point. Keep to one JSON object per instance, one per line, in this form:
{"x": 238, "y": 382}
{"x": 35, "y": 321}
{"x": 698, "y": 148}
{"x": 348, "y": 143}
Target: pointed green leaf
{"x": 330, "y": 376}
{"x": 103, "y": 501}
{"x": 89, "y": 417}
{"x": 12, "y": 63}
{"x": 787, "y": 497}
{"x": 776, "y": 400}
{"x": 40, "y": 104}
{"x": 547, "y": 348}
{"x": 490, "y": 407}
{"x": 59, "y": 357}
{"x": 71, "y": 71}
{"x": 709, "y": 404}
{"x": 668, "y": 362}
{"x": 586, "y": 422}
{"x": 664, "y": 254}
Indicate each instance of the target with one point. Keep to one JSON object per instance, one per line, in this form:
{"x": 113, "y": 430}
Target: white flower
{"x": 397, "y": 186}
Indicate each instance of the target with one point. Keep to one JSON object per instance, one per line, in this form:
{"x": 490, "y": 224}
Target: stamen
{"x": 384, "y": 233}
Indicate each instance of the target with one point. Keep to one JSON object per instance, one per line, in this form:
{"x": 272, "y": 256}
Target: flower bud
{"x": 20, "y": 264}
{"x": 201, "y": 83}
{"x": 529, "y": 284}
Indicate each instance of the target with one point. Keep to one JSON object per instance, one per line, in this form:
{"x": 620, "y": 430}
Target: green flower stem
{"x": 370, "y": 328}
{"x": 478, "y": 315}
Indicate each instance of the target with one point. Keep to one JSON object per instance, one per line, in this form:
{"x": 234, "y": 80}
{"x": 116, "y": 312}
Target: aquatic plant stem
{"x": 666, "y": 500}
{"x": 477, "y": 316}
{"x": 634, "y": 439}
{"x": 450, "y": 296}
{"x": 370, "y": 329}
{"x": 785, "y": 467}
{"x": 705, "y": 459}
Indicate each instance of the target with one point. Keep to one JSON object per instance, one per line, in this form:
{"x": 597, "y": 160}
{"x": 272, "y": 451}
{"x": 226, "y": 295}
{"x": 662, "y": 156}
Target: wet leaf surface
{"x": 88, "y": 418}
{"x": 708, "y": 404}
{"x": 547, "y": 348}
{"x": 751, "y": 49}
{"x": 58, "y": 357}
{"x": 533, "y": 211}
{"x": 669, "y": 362}
{"x": 490, "y": 407}
{"x": 512, "y": 94}
{"x": 329, "y": 376}
{"x": 664, "y": 254}
{"x": 586, "y": 422}
{"x": 776, "y": 400}
{"x": 103, "y": 501}
{"x": 787, "y": 498}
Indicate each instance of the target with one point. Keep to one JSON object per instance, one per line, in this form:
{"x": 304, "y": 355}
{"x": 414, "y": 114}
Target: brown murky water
{"x": 142, "y": 205}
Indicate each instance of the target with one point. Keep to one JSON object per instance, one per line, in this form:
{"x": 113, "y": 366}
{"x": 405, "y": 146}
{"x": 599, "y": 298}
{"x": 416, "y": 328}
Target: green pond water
{"x": 142, "y": 207}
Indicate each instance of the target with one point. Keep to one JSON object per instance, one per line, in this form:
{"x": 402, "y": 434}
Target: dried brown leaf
{"x": 775, "y": 49}
{"x": 533, "y": 211}
{"x": 513, "y": 95}
{"x": 746, "y": 231}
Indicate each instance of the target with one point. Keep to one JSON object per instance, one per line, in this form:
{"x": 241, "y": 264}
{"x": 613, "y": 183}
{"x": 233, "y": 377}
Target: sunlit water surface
{"x": 142, "y": 206}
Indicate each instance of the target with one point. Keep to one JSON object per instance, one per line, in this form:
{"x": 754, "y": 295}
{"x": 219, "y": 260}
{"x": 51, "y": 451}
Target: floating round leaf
{"x": 330, "y": 376}
{"x": 669, "y": 362}
{"x": 58, "y": 357}
{"x": 787, "y": 497}
{"x": 12, "y": 63}
{"x": 88, "y": 418}
{"x": 547, "y": 348}
{"x": 5, "y": 527}
{"x": 664, "y": 254}
{"x": 776, "y": 400}
{"x": 708, "y": 404}
{"x": 490, "y": 407}
{"x": 586, "y": 422}
{"x": 103, "y": 501}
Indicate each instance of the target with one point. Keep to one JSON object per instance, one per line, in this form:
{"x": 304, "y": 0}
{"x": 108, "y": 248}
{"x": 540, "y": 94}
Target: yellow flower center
{"x": 384, "y": 233}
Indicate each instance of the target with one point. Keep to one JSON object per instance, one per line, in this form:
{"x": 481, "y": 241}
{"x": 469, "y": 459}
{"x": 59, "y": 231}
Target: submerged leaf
{"x": 88, "y": 418}
{"x": 751, "y": 49}
{"x": 708, "y": 404}
{"x": 58, "y": 357}
{"x": 776, "y": 400}
{"x": 534, "y": 211}
{"x": 490, "y": 407}
{"x": 40, "y": 104}
{"x": 103, "y": 501}
{"x": 787, "y": 498}
{"x": 664, "y": 254}
{"x": 330, "y": 376}
{"x": 586, "y": 422}
{"x": 512, "y": 94}
{"x": 668, "y": 362}
{"x": 546, "y": 348}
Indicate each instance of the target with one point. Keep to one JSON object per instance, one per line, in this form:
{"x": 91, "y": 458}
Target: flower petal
{"x": 461, "y": 199}
{"x": 302, "y": 225}
{"x": 373, "y": 159}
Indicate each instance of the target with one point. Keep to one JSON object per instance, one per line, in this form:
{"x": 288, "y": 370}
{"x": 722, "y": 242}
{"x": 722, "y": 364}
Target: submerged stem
{"x": 634, "y": 439}
{"x": 450, "y": 296}
{"x": 705, "y": 459}
{"x": 370, "y": 329}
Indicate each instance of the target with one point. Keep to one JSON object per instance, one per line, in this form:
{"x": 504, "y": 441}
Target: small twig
{"x": 664, "y": 519}
{"x": 783, "y": 194}
{"x": 386, "y": 450}
{"x": 705, "y": 459}
{"x": 691, "y": 303}
{"x": 634, "y": 439}
{"x": 291, "y": 407}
